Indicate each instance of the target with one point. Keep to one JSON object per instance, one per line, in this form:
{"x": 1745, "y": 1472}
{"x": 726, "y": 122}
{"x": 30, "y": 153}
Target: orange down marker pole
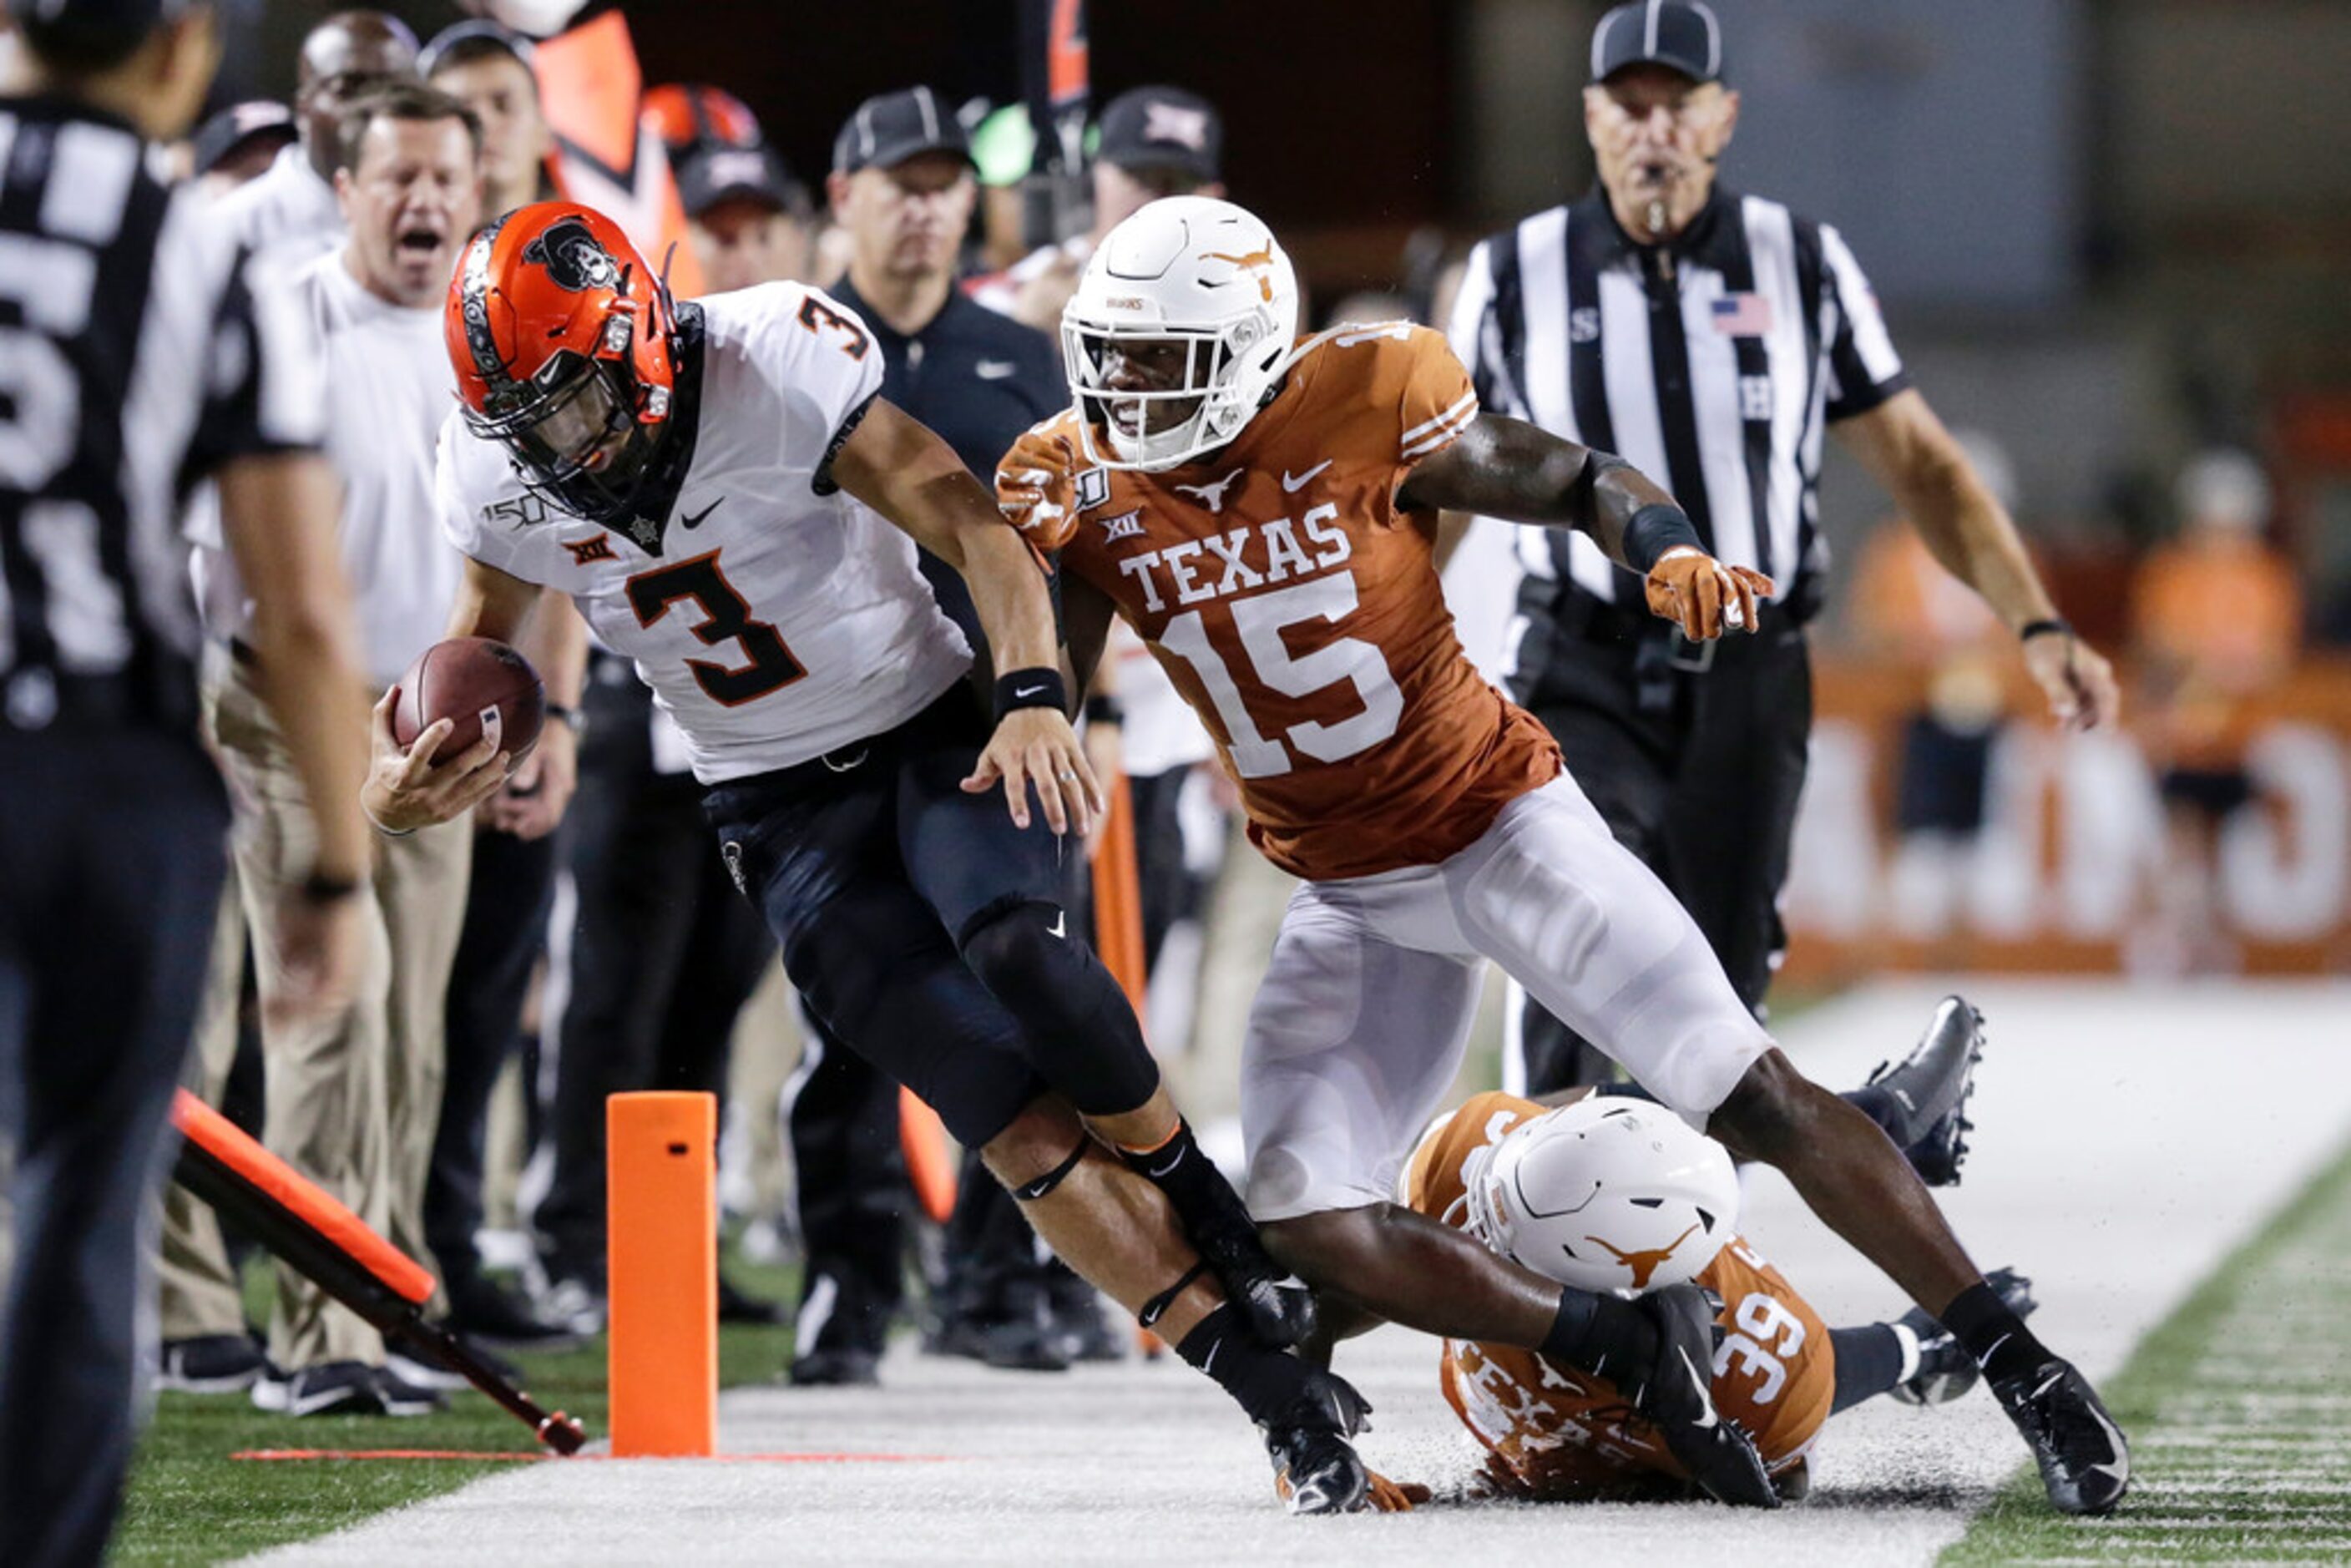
{"x": 660, "y": 1162}
{"x": 1118, "y": 895}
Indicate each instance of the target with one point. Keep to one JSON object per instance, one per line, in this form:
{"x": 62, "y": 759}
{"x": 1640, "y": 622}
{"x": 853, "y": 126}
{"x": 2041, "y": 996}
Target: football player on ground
{"x": 1610, "y": 1193}
{"x": 721, "y": 490}
{"x": 1262, "y": 509}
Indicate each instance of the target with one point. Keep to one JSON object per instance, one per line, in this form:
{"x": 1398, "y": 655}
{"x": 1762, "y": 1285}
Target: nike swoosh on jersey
{"x": 1291, "y": 486}
{"x": 694, "y": 519}
{"x": 993, "y": 369}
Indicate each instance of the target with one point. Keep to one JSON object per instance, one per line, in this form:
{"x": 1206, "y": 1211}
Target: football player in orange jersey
{"x": 1261, "y": 509}
{"x": 1606, "y": 1191}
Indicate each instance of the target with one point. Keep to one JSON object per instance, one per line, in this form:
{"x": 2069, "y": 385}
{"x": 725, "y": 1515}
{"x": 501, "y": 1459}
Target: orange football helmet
{"x": 564, "y": 344}
{"x": 691, "y": 118}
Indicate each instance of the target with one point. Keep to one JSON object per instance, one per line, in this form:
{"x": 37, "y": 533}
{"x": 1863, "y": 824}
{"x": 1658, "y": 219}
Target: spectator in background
{"x": 693, "y": 117}
{"x": 1150, "y": 143}
{"x": 291, "y": 205}
{"x": 490, "y": 70}
{"x": 239, "y": 143}
{"x": 749, "y": 218}
{"x": 2217, "y": 616}
{"x": 1912, "y": 616}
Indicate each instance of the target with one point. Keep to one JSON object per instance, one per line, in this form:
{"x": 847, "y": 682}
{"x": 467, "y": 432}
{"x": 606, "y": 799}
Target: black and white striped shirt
{"x": 1712, "y": 364}
{"x": 134, "y": 359}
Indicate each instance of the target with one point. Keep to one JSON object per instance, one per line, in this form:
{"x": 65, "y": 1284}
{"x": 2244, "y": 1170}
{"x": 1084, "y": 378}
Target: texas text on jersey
{"x": 749, "y": 573}
{"x": 1553, "y": 1432}
{"x": 1298, "y": 609}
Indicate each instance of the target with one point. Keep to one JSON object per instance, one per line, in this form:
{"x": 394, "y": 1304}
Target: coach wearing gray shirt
{"x": 1707, "y": 337}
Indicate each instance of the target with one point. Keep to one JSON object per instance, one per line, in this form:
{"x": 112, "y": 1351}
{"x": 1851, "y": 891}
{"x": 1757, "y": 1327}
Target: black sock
{"x": 1993, "y": 1334}
{"x": 1265, "y": 1382}
{"x": 1878, "y": 1104}
{"x": 1868, "y": 1362}
{"x": 1203, "y": 1199}
{"x": 1603, "y": 1335}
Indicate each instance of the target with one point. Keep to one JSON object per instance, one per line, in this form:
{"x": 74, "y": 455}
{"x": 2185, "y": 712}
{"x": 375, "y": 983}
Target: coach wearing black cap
{"x": 157, "y": 359}
{"x": 1708, "y": 336}
{"x": 238, "y": 143}
{"x": 903, "y": 189}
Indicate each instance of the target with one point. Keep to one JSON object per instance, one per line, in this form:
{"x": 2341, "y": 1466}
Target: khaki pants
{"x": 352, "y": 1101}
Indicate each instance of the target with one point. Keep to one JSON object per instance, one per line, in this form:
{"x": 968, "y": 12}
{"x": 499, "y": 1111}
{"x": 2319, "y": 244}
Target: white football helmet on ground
{"x": 1609, "y": 1194}
{"x": 1200, "y": 281}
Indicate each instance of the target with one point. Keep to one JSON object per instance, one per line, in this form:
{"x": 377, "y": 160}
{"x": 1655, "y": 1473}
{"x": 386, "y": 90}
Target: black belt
{"x": 952, "y": 713}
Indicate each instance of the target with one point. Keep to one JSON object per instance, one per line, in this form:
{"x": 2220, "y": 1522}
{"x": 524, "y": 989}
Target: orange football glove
{"x": 1032, "y": 487}
{"x": 1707, "y": 598}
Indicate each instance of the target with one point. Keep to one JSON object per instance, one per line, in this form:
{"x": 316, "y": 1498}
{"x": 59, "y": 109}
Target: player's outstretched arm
{"x": 1507, "y": 468}
{"x": 1906, "y": 449}
{"x": 895, "y": 464}
{"x": 406, "y": 789}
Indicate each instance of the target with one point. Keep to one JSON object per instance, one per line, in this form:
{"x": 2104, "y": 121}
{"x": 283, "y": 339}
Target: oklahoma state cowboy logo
{"x": 573, "y": 256}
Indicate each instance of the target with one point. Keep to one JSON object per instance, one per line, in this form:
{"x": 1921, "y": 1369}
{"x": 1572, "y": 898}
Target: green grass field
{"x": 189, "y": 1502}
{"x": 2239, "y": 1411}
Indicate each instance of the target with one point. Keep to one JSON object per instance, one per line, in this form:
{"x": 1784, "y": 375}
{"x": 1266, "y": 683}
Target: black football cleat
{"x": 1929, "y": 1090}
{"x": 1677, "y": 1396}
{"x": 1316, "y": 1468}
{"x": 1946, "y": 1370}
{"x": 2084, "y": 1462}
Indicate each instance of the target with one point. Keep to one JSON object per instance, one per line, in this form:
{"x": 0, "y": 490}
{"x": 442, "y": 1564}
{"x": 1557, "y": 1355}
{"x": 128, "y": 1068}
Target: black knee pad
{"x": 1080, "y": 1034}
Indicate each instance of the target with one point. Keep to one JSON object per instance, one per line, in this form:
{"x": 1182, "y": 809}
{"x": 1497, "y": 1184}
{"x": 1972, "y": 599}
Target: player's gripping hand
{"x": 1705, "y": 597}
{"x": 1395, "y": 1497}
{"x": 1036, "y": 746}
{"x": 1035, "y": 472}
{"x": 407, "y": 789}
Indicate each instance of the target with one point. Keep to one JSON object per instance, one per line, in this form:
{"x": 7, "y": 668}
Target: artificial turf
{"x": 189, "y": 1502}
{"x": 2239, "y": 1411}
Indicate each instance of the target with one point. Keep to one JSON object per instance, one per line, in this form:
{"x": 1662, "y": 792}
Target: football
{"x": 471, "y": 681}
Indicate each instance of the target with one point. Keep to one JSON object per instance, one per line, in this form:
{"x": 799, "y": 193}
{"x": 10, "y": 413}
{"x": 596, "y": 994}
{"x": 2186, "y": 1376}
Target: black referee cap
{"x": 239, "y": 125}
{"x": 1680, "y": 35}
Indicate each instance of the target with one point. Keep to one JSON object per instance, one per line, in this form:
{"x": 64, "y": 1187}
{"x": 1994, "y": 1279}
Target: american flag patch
{"x": 1742, "y": 316}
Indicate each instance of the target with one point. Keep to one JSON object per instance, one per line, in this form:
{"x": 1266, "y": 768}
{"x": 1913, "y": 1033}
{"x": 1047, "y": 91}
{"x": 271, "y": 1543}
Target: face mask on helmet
{"x": 1178, "y": 333}
{"x": 574, "y": 432}
{"x": 1608, "y": 1193}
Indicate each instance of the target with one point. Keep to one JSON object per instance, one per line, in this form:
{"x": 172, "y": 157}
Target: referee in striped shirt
{"x": 138, "y": 360}
{"x": 1708, "y": 337}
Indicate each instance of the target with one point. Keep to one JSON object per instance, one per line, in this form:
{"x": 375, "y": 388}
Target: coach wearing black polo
{"x": 1708, "y": 336}
{"x": 902, "y": 189}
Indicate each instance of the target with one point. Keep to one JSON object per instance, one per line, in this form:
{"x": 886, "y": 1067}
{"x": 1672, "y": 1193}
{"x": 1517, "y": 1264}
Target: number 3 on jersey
{"x": 725, "y": 618}
{"x": 1260, "y": 621}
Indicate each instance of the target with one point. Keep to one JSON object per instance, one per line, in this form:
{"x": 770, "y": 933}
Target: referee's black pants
{"x": 112, "y": 849}
{"x": 1697, "y": 762}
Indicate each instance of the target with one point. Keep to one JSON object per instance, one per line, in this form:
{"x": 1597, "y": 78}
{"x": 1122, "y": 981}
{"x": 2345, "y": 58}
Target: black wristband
{"x": 321, "y": 888}
{"x": 1655, "y": 529}
{"x": 1103, "y": 709}
{"x": 1037, "y": 686}
{"x": 2031, "y": 629}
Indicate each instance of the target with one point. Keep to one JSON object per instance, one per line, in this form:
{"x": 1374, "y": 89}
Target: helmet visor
{"x": 577, "y": 436}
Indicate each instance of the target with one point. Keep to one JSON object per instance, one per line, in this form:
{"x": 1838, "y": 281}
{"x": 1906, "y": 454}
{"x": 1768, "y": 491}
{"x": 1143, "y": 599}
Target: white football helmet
{"x": 1190, "y": 270}
{"x": 1610, "y": 1194}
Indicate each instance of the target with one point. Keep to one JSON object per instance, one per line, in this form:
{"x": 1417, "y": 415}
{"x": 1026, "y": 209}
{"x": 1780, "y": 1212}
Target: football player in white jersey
{"x": 721, "y": 491}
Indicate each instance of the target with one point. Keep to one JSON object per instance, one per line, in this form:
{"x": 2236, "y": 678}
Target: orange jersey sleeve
{"x": 1298, "y": 610}
{"x": 1551, "y": 1431}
